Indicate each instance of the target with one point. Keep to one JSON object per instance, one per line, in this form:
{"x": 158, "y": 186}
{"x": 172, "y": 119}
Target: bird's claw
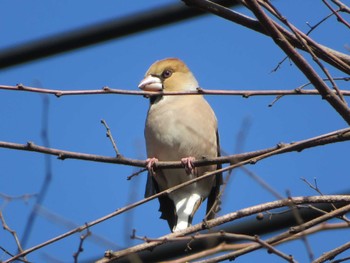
{"x": 188, "y": 164}
{"x": 150, "y": 162}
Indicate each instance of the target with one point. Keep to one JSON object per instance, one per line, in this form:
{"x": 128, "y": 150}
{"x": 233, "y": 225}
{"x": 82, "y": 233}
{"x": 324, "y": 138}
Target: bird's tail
{"x": 185, "y": 209}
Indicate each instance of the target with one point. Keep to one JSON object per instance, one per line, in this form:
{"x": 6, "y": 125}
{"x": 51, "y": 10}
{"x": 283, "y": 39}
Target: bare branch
{"x": 80, "y": 248}
{"x": 273, "y": 250}
{"x": 288, "y": 38}
{"x": 342, "y": 6}
{"x": 136, "y": 173}
{"x": 8, "y": 198}
{"x": 292, "y": 231}
{"x": 336, "y": 14}
{"x": 13, "y": 233}
{"x": 303, "y": 38}
{"x": 332, "y": 137}
{"x": 316, "y": 229}
{"x": 312, "y": 28}
{"x": 228, "y": 236}
{"x": 110, "y": 136}
{"x": 199, "y": 91}
{"x": 333, "y": 253}
{"x": 336, "y": 59}
{"x": 110, "y": 257}
{"x": 301, "y": 63}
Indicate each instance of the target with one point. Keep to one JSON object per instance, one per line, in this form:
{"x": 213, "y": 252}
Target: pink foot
{"x": 188, "y": 163}
{"x": 150, "y": 165}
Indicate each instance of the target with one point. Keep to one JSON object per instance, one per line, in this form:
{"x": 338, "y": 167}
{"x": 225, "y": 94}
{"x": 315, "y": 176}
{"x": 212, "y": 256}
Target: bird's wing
{"x": 166, "y": 205}
{"x": 150, "y": 187}
{"x": 213, "y": 203}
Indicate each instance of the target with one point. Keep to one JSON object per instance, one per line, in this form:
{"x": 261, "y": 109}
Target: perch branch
{"x": 332, "y": 137}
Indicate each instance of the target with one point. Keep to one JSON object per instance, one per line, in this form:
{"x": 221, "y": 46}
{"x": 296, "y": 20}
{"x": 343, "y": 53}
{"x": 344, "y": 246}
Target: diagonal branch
{"x": 301, "y": 63}
{"x": 114, "y": 256}
{"x": 339, "y": 18}
{"x": 324, "y": 139}
{"x": 305, "y": 39}
{"x": 342, "y": 6}
{"x": 333, "y": 253}
{"x": 292, "y": 231}
{"x": 337, "y": 59}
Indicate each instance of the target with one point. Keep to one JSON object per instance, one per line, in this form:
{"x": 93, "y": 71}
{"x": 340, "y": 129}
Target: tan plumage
{"x": 178, "y": 127}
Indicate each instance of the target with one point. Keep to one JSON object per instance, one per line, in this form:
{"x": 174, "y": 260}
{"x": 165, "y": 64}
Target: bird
{"x": 180, "y": 127}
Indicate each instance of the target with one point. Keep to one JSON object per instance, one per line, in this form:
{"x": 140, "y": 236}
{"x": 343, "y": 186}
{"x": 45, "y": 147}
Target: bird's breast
{"x": 176, "y": 128}
{"x": 181, "y": 126}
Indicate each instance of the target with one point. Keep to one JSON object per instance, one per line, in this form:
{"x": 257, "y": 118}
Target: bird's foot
{"x": 150, "y": 162}
{"x": 188, "y": 164}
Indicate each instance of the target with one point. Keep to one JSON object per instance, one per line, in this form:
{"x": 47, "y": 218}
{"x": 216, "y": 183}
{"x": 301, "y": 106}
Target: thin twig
{"x": 340, "y": 260}
{"x": 340, "y": 19}
{"x": 9, "y": 198}
{"x": 136, "y": 173}
{"x": 315, "y": 187}
{"x": 110, "y": 136}
{"x": 312, "y": 28}
{"x": 81, "y": 242}
{"x": 273, "y": 250}
{"x": 11, "y": 255}
{"x": 13, "y": 233}
{"x": 279, "y": 65}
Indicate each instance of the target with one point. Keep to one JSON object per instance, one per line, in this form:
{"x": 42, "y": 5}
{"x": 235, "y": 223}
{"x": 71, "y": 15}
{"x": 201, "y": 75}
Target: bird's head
{"x": 168, "y": 75}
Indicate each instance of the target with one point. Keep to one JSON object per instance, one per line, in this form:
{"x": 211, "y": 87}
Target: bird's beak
{"x": 151, "y": 83}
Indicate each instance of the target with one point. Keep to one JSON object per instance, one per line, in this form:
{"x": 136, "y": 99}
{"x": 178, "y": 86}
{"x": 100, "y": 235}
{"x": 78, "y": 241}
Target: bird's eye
{"x": 167, "y": 73}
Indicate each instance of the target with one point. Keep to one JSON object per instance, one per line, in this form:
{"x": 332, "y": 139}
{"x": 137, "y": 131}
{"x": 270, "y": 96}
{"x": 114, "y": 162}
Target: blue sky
{"x": 222, "y": 55}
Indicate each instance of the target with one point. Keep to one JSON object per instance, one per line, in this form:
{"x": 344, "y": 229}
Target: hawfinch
{"x": 180, "y": 127}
